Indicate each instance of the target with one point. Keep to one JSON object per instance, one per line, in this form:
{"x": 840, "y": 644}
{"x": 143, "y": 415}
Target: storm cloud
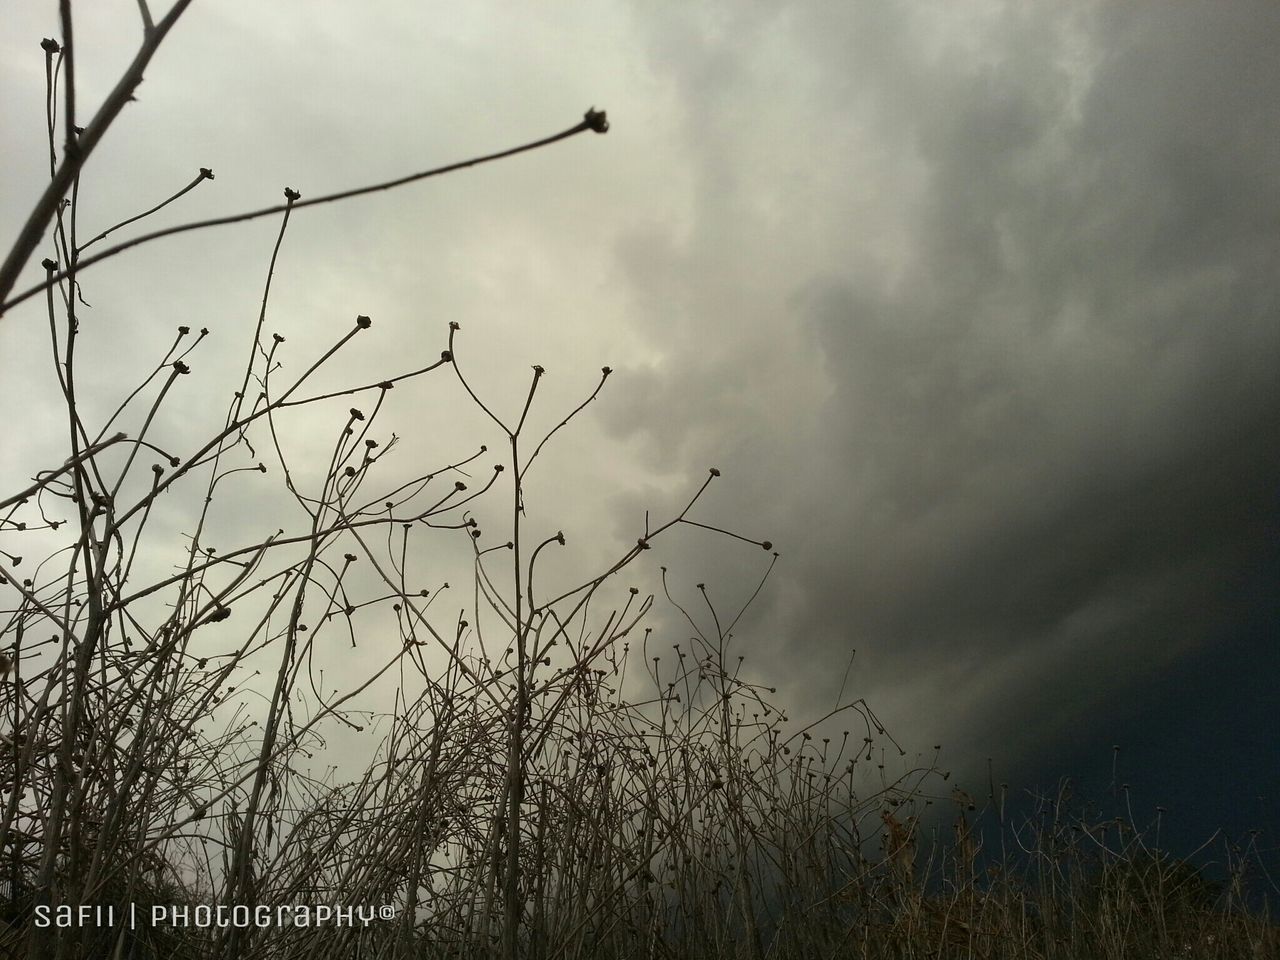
{"x": 975, "y": 305}
{"x": 993, "y": 306}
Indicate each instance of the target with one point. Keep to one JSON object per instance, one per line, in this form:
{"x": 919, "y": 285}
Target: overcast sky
{"x": 975, "y": 306}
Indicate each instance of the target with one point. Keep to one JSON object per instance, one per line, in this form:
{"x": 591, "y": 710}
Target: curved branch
{"x": 592, "y": 120}
{"x": 45, "y": 208}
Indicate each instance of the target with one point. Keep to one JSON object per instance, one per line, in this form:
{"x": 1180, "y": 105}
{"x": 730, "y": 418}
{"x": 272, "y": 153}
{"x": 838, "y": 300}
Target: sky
{"x": 974, "y": 306}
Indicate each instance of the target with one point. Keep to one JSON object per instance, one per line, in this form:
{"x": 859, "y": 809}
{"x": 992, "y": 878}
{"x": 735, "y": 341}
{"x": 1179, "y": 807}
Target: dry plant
{"x": 540, "y": 781}
{"x": 161, "y": 722}
{"x": 1064, "y": 883}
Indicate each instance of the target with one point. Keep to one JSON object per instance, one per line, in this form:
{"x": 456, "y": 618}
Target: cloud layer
{"x": 997, "y": 332}
{"x": 974, "y": 304}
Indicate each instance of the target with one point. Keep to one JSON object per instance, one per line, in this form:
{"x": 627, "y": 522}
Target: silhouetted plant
{"x": 539, "y": 781}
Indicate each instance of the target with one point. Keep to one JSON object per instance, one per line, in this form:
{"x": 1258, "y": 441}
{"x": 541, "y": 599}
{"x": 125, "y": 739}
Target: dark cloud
{"x": 1018, "y": 433}
{"x": 974, "y": 305}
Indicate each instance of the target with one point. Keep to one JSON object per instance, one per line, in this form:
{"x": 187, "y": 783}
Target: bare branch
{"x": 45, "y": 208}
{"x": 40, "y": 216}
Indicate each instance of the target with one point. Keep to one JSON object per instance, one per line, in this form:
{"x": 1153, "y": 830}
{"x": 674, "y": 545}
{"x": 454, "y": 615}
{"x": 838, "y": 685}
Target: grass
{"x": 690, "y": 823}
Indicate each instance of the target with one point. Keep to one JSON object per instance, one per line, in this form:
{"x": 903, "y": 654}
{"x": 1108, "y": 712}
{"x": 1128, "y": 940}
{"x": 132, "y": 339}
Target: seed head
{"x": 596, "y": 120}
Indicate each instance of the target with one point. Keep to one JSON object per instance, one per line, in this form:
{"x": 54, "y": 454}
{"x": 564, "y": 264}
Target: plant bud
{"x": 596, "y": 120}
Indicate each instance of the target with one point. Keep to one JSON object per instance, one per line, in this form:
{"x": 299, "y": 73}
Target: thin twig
{"x": 39, "y": 219}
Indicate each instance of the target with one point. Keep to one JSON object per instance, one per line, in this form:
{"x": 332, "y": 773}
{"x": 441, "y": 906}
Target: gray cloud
{"x": 974, "y": 304}
{"x": 1013, "y": 420}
